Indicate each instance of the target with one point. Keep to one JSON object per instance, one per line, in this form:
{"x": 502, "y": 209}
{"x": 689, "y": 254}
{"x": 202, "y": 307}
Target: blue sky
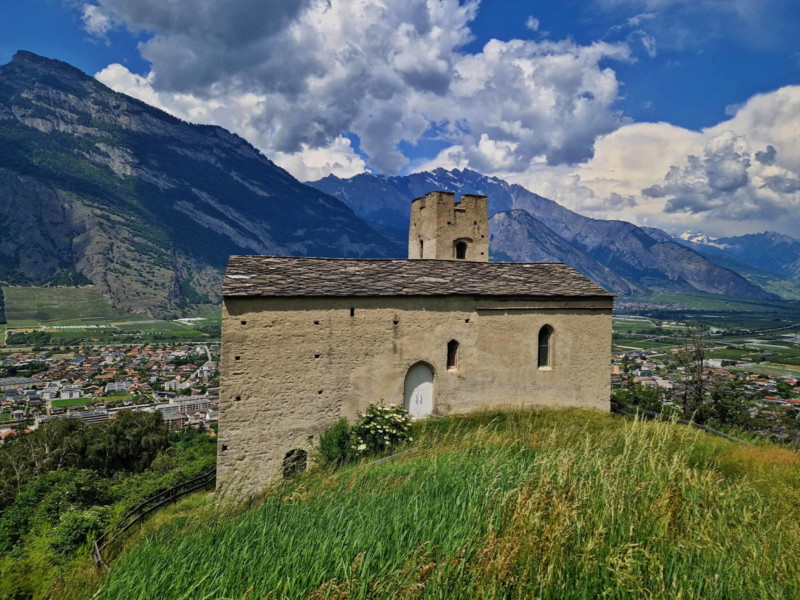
{"x": 599, "y": 104}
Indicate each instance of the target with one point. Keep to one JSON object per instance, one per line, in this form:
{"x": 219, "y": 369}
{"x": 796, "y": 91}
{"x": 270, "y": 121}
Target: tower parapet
{"x": 443, "y": 229}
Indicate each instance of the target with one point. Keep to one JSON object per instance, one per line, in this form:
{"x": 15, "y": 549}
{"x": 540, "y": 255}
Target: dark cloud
{"x": 385, "y": 71}
{"x": 767, "y": 157}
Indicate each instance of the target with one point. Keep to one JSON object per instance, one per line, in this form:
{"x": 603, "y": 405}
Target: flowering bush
{"x": 380, "y": 429}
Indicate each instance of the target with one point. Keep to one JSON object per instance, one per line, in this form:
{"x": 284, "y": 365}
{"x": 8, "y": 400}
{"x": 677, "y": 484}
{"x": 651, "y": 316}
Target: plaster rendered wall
{"x": 438, "y": 221}
{"x": 291, "y": 367}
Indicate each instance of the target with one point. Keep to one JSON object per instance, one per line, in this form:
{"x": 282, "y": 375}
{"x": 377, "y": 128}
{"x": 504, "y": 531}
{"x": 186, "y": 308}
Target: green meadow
{"x": 68, "y": 403}
{"x": 524, "y": 504}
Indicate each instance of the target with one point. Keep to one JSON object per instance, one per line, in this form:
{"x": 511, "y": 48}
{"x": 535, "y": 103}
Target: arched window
{"x": 545, "y": 346}
{"x": 452, "y": 354}
{"x": 294, "y": 462}
{"x": 461, "y": 250}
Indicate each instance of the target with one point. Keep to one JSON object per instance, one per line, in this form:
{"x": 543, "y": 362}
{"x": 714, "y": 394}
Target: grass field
{"x": 717, "y": 303}
{"x": 644, "y": 344}
{"x": 632, "y": 326}
{"x": 32, "y": 306}
{"x": 555, "y": 505}
{"x": 774, "y": 369}
{"x": 31, "y": 309}
{"x": 71, "y": 402}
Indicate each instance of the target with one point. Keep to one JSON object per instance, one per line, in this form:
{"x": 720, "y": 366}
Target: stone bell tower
{"x": 444, "y": 229}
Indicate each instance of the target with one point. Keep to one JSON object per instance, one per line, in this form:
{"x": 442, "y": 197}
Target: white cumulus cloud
{"x": 740, "y": 176}
{"x": 95, "y": 20}
{"x": 388, "y": 72}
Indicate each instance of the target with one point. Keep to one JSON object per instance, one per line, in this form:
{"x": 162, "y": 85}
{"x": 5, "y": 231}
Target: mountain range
{"x": 97, "y": 187}
{"x": 769, "y": 251}
{"x": 524, "y": 226}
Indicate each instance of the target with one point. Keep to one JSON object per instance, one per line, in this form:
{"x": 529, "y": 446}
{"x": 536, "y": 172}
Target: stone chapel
{"x": 306, "y": 341}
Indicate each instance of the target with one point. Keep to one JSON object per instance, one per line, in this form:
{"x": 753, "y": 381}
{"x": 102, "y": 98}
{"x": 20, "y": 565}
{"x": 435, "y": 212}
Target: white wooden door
{"x": 419, "y": 391}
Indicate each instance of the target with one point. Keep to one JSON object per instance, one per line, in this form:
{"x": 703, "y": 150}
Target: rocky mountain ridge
{"x": 98, "y": 187}
{"x": 772, "y": 252}
{"x": 625, "y": 258}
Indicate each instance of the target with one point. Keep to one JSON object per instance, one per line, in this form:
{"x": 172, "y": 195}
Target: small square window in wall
{"x": 244, "y": 322}
{"x": 316, "y": 322}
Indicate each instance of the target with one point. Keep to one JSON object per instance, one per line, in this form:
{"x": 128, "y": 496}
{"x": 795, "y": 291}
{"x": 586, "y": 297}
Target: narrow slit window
{"x": 452, "y": 354}
{"x": 421, "y": 248}
{"x": 545, "y": 346}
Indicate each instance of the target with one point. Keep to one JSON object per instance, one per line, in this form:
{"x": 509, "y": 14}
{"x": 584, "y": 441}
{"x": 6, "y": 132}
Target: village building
{"x": 307, "y": 341}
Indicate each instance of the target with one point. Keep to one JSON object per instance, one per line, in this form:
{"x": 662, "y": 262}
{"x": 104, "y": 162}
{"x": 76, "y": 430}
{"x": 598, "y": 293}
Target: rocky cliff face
{"x": 623, "y": 257}
{"x": 515, "y": 236}
{"x": 99, "y": 187}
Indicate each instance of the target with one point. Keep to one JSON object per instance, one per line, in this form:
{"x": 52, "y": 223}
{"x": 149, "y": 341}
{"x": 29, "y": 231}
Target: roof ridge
{"x": 253, "y": 275}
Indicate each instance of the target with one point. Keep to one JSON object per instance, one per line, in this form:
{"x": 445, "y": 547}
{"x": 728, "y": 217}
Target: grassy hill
{"x": 532, "y": 504}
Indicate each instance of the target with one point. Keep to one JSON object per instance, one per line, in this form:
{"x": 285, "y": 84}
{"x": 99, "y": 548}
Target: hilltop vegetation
{"x": 65, "y": 483}
{"x": 530, "y": 504}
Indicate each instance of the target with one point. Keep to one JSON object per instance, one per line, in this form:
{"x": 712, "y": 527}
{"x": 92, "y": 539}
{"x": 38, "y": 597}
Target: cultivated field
{"x": 32, "y": 306}
{"x": 39, "y": 316}
{"x": 739, "y": 329}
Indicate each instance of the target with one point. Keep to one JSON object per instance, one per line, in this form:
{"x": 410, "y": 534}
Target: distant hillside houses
{"x": 95, "y": 384}
{"x": 118, "y": 386}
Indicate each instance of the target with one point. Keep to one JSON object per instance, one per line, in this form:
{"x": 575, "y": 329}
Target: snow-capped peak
{"x": 698, "y": 237}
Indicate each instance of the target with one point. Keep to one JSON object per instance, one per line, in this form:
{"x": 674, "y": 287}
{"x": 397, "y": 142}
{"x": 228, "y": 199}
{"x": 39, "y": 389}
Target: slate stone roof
{"x": 302, "y": 276}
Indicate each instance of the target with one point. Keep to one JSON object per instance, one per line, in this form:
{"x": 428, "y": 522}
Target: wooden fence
{"x": 103, "y": 543}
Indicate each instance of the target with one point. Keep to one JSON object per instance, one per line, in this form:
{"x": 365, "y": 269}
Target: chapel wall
{"x": 297, "y": 365}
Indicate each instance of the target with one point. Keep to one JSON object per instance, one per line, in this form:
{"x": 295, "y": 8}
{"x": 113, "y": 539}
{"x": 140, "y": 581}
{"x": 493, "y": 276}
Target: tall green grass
{"x": 533, "y": 504}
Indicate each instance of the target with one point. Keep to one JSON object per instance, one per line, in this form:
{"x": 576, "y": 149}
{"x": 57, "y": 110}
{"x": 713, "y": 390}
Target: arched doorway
{"x": 418, "y": 391}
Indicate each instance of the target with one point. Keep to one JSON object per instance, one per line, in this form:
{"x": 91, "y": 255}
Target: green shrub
{"x": 75, "y": 529}
{"x": 380, "y": 429}
{"x": 334, "y": 444}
